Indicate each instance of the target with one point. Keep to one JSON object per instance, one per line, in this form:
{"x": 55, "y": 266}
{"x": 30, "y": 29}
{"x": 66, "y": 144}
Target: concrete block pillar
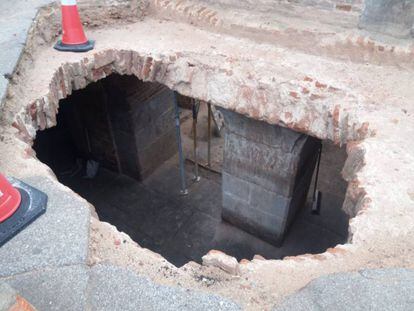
{"x": 142, "y": 118}
{"x": 267, "y": 172}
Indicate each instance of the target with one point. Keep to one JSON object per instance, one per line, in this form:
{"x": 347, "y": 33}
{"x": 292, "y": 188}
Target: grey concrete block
{"x": 391, "y": 17}
{"x": 268, "y": 227}
{"x": 266, "y": 175}
{"x": 146, "y": 111}
{"x": 269, "y": 202}
{"x": 157, "y": 153}
{"x": 260, "y": 164}
{"x": 127, "y": 154}
{"x": 155, "y": 129}
{"x": 259, "y": 131}
{"x": 113, "y": 288}
{"x": 236, "y": 186}
{"x": 254, "y": 196}
{"x": 382, "y": 289}
{"x": 57, "y": 238}
{"x": 58, "y": 289}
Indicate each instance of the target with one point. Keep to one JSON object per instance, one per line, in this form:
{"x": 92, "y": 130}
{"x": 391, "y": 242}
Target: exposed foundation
{"x": 266, "y": 175}
{"x": 363, "y": 102}
{"x": 120, "y": 127}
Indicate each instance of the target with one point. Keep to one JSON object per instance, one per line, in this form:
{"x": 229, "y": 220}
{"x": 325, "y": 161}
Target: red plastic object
{"x": 72, "y": 27}
{"x": 9, "y": 199}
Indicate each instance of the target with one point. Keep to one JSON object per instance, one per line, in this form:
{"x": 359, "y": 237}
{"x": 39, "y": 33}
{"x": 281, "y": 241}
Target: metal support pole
{"x": 317, "y": 195}
{"x": 196, "y": 105}
{"x": 209, "y": 135}
{"x": 184, "y": 190}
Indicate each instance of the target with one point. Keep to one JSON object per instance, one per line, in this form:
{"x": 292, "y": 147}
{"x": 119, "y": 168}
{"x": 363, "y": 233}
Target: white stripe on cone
{"x": 68, "y": 2}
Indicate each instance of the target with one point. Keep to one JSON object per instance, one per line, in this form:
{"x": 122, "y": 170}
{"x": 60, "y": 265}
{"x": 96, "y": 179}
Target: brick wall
{"x": 344, "y": 5}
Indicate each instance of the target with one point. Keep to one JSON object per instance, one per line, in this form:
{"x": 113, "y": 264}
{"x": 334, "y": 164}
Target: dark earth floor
{"x": 184, "y": 228}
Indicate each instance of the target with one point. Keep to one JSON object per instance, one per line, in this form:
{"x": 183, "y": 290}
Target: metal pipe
{"x": 209, "y": 136}
{"x": 184, "y": 190}
{"x": 196, "y": 105}
{"x": 317, "y": 195}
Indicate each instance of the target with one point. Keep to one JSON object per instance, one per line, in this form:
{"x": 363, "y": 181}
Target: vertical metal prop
{"x": 183, "y": 190}
{"x": 209, "y": 136}
{"x": 196, "y": 105}
{"x": 317, "y": 195}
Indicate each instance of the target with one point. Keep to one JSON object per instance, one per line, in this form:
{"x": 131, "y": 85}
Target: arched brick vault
{"x": 307, "y": 99}
{"x": 306, "y": 105}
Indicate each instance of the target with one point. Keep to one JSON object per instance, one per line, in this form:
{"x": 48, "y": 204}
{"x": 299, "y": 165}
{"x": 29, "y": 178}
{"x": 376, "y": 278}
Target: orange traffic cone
{"x": 9, "y": 199}
{"x": 20, "y": 204}
{"x": 73, "y": 37}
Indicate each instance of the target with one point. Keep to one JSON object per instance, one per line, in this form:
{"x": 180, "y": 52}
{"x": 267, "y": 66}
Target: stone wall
{"x": 143, "y": 122}
{"x": 121, "y": 122}
{"x": 119, "y": 114}
{"x": 267, "y": 171}
{"x": 152, "y": 116}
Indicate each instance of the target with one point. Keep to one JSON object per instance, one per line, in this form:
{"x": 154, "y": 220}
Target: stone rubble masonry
{"x": 221, "y": 260}
{"x": 267, "y": 171}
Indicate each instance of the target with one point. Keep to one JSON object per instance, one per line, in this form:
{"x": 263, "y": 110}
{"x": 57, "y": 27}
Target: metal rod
{"x": 317, "y": 172}
{"x": 183, "y": 190}
{"x": 209, "y": 135}
{"x": 195, "y": 115}
{"x": 317, "y": 195}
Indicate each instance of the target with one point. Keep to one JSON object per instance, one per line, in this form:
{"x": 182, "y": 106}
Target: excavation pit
{"x": 311, "y": 71}
{"x": 125, "y": 128}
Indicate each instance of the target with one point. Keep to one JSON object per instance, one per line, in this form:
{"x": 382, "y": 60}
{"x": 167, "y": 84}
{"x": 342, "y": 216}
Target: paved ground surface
{"x": 16, "y": 19}
{"x": 7, "y": 296}
{"x": 105, "y": 287}
{"x": 388, "y": 289}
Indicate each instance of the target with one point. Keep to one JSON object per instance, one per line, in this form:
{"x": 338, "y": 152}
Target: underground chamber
{"x": 115, "y": 144}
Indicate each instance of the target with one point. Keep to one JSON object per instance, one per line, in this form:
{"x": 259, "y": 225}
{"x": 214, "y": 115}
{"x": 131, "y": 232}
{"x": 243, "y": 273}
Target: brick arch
{"x": 302, "y": 103}
{"x": 305, "y": 105}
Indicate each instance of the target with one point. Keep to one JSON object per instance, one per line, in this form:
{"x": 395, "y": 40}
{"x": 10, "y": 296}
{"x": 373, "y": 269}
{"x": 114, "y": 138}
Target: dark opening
{"x": 115, "y": 145}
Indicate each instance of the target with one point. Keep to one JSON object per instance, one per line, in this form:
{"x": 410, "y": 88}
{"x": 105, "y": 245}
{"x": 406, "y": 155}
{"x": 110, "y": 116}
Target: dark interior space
{"x": 115, "y": 145}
